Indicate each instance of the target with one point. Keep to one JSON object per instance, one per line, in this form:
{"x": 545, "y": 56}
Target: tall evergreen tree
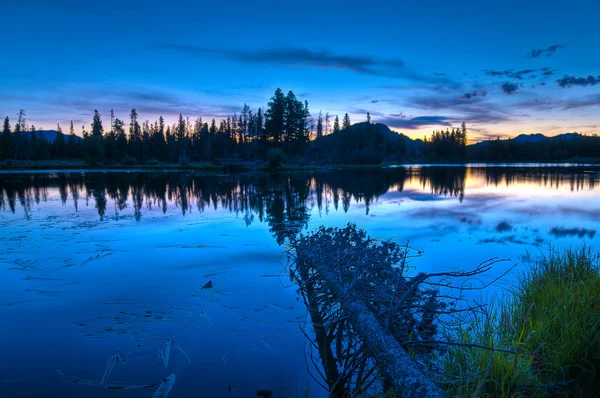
{"x": 181, "y": 130}
{"x": 121, "y": 145}
{"x": 72, "y": 143}
{"x": 274, "y": 117}
{"x": 97, "y": 129}
{"x": 59, "y": 143}
{"x": 6, "y": 150}
{"x": 20, "y": 139}
{"x": 336, "y": 124}
{"x": 346, "y": 123}
{"x": 135, "y": 135}
{"x": 320, "y": 125}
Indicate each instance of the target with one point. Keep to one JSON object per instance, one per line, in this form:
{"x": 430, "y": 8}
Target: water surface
{"x": 92, "y": 262}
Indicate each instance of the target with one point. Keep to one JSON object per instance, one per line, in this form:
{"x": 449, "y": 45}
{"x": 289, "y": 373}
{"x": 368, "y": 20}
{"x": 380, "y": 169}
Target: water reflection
{"x": 283, "y": 201}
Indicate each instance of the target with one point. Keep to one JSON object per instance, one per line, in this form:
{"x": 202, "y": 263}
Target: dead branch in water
{"x": 371, "y": 320}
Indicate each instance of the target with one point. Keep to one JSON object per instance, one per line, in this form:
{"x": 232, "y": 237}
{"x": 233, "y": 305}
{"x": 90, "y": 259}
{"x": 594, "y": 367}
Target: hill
{"x": 48, "y": 135}
{"x": 362, "y": 143}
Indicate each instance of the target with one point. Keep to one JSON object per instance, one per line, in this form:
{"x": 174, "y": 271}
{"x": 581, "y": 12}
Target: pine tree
{"x": 346, "y": 123}
{"x": 274, "y": 117}
{"x": 135, "y": 135}
{"x": 59, "y": 143}
{"x": 21, "y": 141}
{"x": 72, "y": 143}
{"x": 320, "y": 125}
{"x": 336, "y": 124}
{"x": 181, "y": 128}
{"x": 6, "y": 149}
{"x": 97, "y": 129}
{"x": 121, "y": 146}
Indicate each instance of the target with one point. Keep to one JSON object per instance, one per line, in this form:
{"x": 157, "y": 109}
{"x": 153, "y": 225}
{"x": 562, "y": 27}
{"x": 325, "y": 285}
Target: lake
{"x": 94, "y": 262}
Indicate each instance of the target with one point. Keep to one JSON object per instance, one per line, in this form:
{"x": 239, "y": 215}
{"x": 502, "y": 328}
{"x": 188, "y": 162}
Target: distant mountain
{"x": 530, "y": 138}
{"x": 49, "y": 135}
{"x": 535, "y": 138}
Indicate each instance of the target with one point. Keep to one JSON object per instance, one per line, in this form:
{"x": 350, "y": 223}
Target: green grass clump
{"x": 498, "y": 370}
{"x": 544, "y": 338}
{"x": 554, "y": 317}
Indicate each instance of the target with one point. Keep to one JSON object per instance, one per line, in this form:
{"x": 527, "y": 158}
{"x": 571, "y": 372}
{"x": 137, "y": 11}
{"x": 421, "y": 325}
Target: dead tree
{"x": 371, "y": 320}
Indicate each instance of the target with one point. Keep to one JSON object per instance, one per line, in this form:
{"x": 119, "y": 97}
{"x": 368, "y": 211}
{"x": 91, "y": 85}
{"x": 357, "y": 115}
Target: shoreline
{"x": 259, "y": 167}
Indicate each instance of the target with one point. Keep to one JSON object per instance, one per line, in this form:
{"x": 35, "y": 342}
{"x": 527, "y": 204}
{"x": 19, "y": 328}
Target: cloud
{"x": 546, "y": 104}
{"x": 570, "y": 81}
{"x": 472, "y": 107}
{"x": 548, "y": 51}
{"x": 511, "y": 73}
{"x": 510, "y": 88}
{"x": 302, "y": 58}
{"x": 583, "y": 102}
{"x": 561, "y": 232}
{"x": 401, "y": 121}
{"x": 474, "y": 94}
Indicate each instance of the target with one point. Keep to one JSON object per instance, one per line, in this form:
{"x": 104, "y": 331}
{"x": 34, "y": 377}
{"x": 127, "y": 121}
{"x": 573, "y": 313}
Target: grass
{"x": 551, "y": 326}
{"x": 555, "y": 317}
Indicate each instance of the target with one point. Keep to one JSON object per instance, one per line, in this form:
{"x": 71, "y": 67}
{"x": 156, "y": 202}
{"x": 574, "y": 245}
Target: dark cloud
{"x": 561, "y": 232}
{"x": 439, "y": 74}
{"x": 473, "y": 107}
{"x": 510, "y": 88}
{"x": 511, "y": 73}
{"x": 570, "y": 81}
{"x": 374, "y": 101}
{"x": 474, "y": 94}
{"x": 548, "y": 51}
{"x": 302, "y": 57}
{"x": 504, "y": 240}
{"x": 504, "y": 226}
{"x": 400, "y": 121}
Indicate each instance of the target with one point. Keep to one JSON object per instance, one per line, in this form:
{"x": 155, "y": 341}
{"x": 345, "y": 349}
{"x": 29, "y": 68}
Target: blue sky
{"x": 505, "y": 68}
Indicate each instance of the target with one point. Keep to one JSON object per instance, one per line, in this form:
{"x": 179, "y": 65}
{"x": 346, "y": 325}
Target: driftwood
{"x": 371, "y": 321}
{"x": 391, "y": 358}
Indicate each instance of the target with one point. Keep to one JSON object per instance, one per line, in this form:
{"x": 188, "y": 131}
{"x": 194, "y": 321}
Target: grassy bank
{"x": 551, "y": 326}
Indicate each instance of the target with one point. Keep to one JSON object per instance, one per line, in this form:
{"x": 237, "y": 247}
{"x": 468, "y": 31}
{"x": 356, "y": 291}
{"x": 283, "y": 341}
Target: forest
{"x": 283, "y": 133}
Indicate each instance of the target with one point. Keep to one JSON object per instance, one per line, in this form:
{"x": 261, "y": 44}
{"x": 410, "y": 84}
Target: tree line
{"x": 286, "y": 125}
{"x": 285, "y": 131}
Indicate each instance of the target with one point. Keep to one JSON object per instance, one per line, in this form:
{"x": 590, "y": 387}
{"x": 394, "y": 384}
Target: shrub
{"x": 275, "y": 158}
{"x": 129, "y": 161}
{"x": 152, "y": 162}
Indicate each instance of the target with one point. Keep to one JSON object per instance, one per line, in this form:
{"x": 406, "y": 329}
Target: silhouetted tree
{"x": 274, "y": 117}
{"x": 346, "y": 123}
{"x": 60, "y": 146}
{"x": 336, "y": 124}
{"x": 320, "y": 126}
{"x": 6, "y": 149}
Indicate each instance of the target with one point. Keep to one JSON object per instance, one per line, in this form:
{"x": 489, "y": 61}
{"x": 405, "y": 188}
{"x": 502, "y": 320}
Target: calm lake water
{"x": 92, "y": 262}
